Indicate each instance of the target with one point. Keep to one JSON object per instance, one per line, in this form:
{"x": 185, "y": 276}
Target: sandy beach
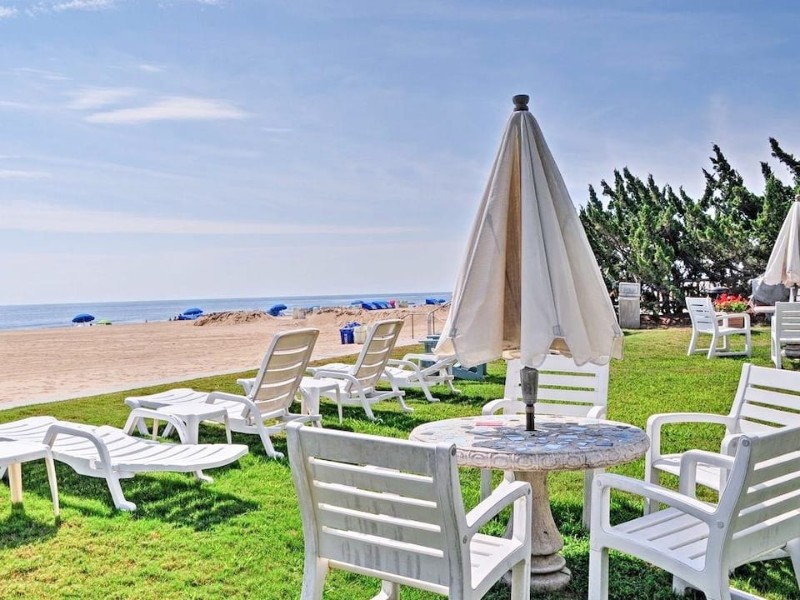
{"x": 46, "y": 365}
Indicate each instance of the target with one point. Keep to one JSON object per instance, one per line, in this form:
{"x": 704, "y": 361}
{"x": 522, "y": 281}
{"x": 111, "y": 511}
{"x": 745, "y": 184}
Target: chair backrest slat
{"x": 381, "y": 506}
{"x": 766, "y": 399}
{"x": 564, "y": 388}
{"x": 702, "y": 314}
{"x": 282, "y": 369}
{"x": 378, "y": 346}
{"x": 787, "y": 320}
{"x": 762, "y": 499}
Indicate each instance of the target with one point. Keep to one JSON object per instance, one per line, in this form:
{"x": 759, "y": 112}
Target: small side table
{"x": 13, "y": 454}
{"x": 191, "y": 413}
{"x": 311, "y": 389}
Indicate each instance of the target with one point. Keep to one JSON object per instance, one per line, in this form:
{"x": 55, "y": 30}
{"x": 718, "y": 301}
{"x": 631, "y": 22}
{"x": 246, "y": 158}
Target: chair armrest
{"x": 502, "y": 496}
{"x": 688, "y": 473}
{"x": 246, "y": 383}
{"x": 490, "y": 408}
{"x": 320, "y": 374}
{"x": 596, "y": 412}
{"x": 656, "y": 422}
{"x": 251, "y": 407}
{"x": 59, "y": 428}
{"x": 405, "y": 364}
{"x": 723, "y": 317}
{"x": 604, "y": 482}
{"x": 148, "y": 413}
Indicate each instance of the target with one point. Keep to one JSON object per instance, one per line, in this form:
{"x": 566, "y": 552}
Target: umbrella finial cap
{"x": 520, "y": 102}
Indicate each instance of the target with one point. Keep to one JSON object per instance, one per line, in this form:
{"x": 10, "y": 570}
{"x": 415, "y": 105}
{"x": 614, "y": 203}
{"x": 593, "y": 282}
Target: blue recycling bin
{"x": 347, "y": 335}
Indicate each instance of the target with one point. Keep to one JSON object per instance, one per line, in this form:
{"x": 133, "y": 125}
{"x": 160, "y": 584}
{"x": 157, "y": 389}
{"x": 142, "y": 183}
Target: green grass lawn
{"x": 241, "y": 536}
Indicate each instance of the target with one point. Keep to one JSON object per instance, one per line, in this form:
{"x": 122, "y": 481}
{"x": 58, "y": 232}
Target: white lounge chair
{"x": 264, "y": 410}
{"x": 564, "y": 389}
{"x": 765, "y": 400}
{"x": 357, "y": 382}
{"x": 785, "y": 329}
{"x": 706, "y": 321}
{"x": 392, "y": 509}
{"x": 112, "y": 454}
{"x": 699, "y": 543}
{"x": 420, "y": 371}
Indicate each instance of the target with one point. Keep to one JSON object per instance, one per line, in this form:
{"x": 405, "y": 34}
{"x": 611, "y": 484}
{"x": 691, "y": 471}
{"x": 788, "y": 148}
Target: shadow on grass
{"x": 19, "y": 529}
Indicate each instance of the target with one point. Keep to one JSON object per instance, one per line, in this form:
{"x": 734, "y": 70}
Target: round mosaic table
{"x": 558, "y": 444}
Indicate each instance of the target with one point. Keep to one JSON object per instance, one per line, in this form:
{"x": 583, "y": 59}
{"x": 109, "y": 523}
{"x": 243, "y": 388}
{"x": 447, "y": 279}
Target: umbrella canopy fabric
{"x": 82, "y": 318}
{"x": 529, "y": 281}
{"x": 193, "y": 311}
{"x": 784, "y": 262}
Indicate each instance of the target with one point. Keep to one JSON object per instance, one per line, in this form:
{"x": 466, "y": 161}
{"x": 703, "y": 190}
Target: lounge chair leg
{"x": 268, "y": 447}
{"x": 51, "y": 478}
{"x": 389, "y": 591}
{"x": 452, "y": 388}
{"x": 15, "y": 482}
{"x": 426, "y": 390}
{"x": 116, "y": 493}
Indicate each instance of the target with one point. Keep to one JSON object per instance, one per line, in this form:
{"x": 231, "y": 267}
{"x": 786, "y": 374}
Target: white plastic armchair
{"x": 392, "y": 509}
{"x": 784, "y": 329}
{"x": 564, "y": 389}
{"x": 718, "y": 325}
{"x": 700, "y": 544}
{"x": 420, "y": 371}
{"x": 765, "y": 400}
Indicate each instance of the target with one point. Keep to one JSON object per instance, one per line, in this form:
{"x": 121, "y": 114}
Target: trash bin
{"x": 346, "y": 333}
{"x": 360, "y": 334}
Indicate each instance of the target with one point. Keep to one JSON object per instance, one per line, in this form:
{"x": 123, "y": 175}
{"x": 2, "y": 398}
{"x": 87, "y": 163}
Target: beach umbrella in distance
{"x": 82, "y": 318}
{"x": 193, "y": 311}
{"x": 529, "y": 282}
{"x": 783, "y": 265}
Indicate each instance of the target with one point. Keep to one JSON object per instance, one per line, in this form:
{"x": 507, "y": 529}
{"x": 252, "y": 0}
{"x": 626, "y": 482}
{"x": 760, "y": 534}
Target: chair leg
{"x": 265, "y": 439}
{"x": 486, "y": 483}
{"x": 793, "y": 548}
{"x": 586, "y": 513}
{"x": 389, "y": 591}
{"x": 651, "y": 476}
{"x": 51, "y": 479}
{"x": 15, "y": 482}
{"x": 692, "y": 343}
{"x": 314, "y": 574}
{"x": 521, "y": 580}
{"x": 748, "y": 344}
{"x": 679, "y": 586}
{"x": 712, "y": 349}
{"x": 598, "y": 574}
{"x": 427, "y": 391}
{"x": 116, "y": 493}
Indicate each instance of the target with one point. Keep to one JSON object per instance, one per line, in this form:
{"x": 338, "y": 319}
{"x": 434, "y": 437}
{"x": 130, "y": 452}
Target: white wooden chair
{"x": 785, "y": 329}
{"x": 564, "y": 389}
{"x": 356, "y": 383}
{"x": 265, "y": 410}
{"x": 392, "y": 509}
{"x": 420, "y": 371}
{"x": 765, "y": 400}
{"x": 706, "y": 321}
{"x": 110, "y": 453}
{"x": 700, "y": 544}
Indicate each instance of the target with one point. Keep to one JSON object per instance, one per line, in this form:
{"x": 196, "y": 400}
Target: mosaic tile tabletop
{"x": 559, "y": 443}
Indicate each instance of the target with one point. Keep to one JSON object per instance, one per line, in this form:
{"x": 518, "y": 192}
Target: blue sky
{"x": 219, "y": 148}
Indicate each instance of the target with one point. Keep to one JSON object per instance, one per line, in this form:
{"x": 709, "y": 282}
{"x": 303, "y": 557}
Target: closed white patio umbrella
{"x": 784, "y": 262}
{"x": 529, "y": 282}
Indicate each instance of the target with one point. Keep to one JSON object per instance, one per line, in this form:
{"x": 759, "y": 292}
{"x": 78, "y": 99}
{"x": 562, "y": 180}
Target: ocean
{"x": 40, "y": 316}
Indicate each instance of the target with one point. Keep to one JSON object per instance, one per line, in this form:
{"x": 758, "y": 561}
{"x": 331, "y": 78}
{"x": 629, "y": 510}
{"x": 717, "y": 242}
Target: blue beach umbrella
{"x": 82, "y": 318}
{"x": 193, "y": 311}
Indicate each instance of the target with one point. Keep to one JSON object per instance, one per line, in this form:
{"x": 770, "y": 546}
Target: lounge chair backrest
{"x": 564, "y": 387}
{"x": 381, "y": 507}
{"x": 766, "y": 399}
{"x": 377, "y": 351}
{"x": 702, "y": 314}
{"x": 282, "y": 369}
{"x": 761, "y": 502}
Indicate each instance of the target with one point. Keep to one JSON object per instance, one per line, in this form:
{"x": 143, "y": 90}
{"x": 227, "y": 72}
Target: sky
{"x": 171, "y": 149}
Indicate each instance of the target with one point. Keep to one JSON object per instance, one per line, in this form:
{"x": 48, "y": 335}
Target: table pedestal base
{"x": 548, "y": 570}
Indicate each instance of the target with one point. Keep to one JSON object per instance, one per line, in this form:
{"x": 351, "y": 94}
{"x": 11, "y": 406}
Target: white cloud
{"x": 92, "y": 98}
{"x": 151, "y": 68}
{"x": 49, "y": 75}
{"x": 6, "y": 12}
{"x": 39, "y": 217}
{"x": 83, "y": 5}
{"x": 17, "y": 174}
{"x": 174, "y": 108}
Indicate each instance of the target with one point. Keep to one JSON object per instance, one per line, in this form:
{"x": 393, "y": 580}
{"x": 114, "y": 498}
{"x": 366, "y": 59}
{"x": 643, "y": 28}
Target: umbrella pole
{"x": 529, "y": 377}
